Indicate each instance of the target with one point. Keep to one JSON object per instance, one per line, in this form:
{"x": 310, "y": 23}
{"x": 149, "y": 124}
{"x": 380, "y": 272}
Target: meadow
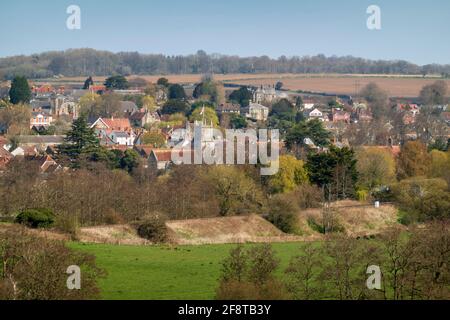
{"x": 166, "y": 272}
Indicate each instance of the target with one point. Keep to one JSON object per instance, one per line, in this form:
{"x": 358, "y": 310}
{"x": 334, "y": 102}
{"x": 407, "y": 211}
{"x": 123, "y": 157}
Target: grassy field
{"x": 166, "y": 273}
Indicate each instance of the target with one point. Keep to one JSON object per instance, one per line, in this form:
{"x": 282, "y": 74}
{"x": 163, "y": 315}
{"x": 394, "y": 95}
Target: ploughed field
{"x": 396, "y": 85}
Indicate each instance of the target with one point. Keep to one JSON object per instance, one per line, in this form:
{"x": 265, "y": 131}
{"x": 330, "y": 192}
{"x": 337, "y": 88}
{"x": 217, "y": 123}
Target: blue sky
{"x": 413, "y": 30}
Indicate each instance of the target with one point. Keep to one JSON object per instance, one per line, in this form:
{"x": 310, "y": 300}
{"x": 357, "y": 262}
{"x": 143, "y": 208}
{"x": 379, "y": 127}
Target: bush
{"x": 36, "y": 218}
{"x": 69, "y": 224}
{"x": 283, "y": 214}
{"x": 38, "y": 269}
{"x": 153, "y": 227}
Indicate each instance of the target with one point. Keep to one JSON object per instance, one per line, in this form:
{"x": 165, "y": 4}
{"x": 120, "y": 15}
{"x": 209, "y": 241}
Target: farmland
{"x": 395, "y": 85}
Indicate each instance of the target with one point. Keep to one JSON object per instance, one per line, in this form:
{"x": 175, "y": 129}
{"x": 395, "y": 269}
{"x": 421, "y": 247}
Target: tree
{"x": 176, "y": 92}
{"x": 242, "y": 96}
{"x": 130, "y": 160}
{"x": 81, "y": 139}
{"x": 175, "y": 106}
{"x": 90, "y": 104}
{"x": 334, "y": 171}
{"x": 376, "y": 167}
{"x": 413, "y": 160}
{"x": 20, "y": 91}
{"x": 57, "y": 65}
{"x": 162, "y": 82}
{"x": 299, "y": 102}
{"x": 279, "y": 85}
{"x": 283, "y": 213}
{"x": 149, "y": 103}
{"x": 235, "y": 191}
{"x": 283, "y": 109}
{"x": 291, "y": 173}
{"x": 117, "y": 82}
{"x": 440, "y": 165}
{"x": 34, "y": 268}
{"x": 208, "y": 89}
{"x": 313, "y": 130}
{"x": 237, "y": 121}
{"x": 248, "y": 274}
{"x": 16, "y": 119}
{"x": 89, "y": 82}
{"x": 434, "y": 94}
{"x": 421, "y": 199}
{"x": 377, "y": 100}
{"x": 154, "y": 138}
{"x": 207, "y": 114}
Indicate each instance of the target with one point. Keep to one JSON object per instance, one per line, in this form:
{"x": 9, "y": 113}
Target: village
{"x": 152, "y": 119}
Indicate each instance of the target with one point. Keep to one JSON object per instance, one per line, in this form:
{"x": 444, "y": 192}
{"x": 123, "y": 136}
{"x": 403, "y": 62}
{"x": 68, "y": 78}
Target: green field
{"x": 164, "y": 272}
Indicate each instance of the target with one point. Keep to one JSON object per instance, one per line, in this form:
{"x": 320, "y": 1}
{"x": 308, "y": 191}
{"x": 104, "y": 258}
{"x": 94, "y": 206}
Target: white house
{"x": 40, "y": 119}
{"x": 257, "y": 112}
{"x": 316, "y": 114}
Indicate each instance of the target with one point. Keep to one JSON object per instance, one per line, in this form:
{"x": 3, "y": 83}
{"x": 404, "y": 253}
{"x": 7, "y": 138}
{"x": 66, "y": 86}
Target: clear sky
{"x": 413, "y": 30}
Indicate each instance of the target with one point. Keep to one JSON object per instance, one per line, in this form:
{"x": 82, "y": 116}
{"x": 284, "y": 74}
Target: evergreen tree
{"x": 89, "y": 82}
{"x": 20, "y": 91}
{"x": 81, "y": 139}
{"x": 117, "y": 82}
{"x": 176, "y": 92}
{"x": 335, "y": 171}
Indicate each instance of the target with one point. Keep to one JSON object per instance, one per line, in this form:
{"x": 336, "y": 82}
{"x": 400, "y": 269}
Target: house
{"x": 64, "y": 106}
{"x": 25, "y": 151}
{"x": 228, "y": 108}
{"x": 316, "y": 114}
{"x": 40, "y": 142}
{"x": 339, "y": 116}
{"x": 121, "y": 138}
{"x": 411, "y": 108}
{"x": 268, "y": 94}
{"x": 128, "y": 107}
{"x": 113, "y": 131}
{"x": 40, "y": 119}
{"x": 446, "y": 117}
{"x": 144, "y": 150}
{"x": 363, "y": 115}
{"x": 308, "y": 106}
{"x": 96, "y": 88}
{"x": 142, "y": 117}
{"x": 160, "y": 159}
{"x": 45, "y": 162}
{"x": 257, "y": 112}
{"x": 5, "y": 157}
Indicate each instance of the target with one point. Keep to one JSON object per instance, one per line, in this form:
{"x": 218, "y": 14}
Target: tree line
{"x": 87, "y": 62}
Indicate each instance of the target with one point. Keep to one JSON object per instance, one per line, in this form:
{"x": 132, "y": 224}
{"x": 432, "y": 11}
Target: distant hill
{"x": 90, "y": 62}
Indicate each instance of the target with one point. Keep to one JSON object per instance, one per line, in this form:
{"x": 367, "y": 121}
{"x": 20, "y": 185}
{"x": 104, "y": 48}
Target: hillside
{"x": 226, "y": 230}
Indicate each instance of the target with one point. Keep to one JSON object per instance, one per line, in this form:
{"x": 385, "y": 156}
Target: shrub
{"x": 283, "y": 214}
{"x": 34, "y": 268}
{"x": 362, "y": 195}
{"x": 68, "y": 223}
{"x": 248, "y": 274}
{"x": 153, "y": 227}
{"x": 36, "y": 218}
